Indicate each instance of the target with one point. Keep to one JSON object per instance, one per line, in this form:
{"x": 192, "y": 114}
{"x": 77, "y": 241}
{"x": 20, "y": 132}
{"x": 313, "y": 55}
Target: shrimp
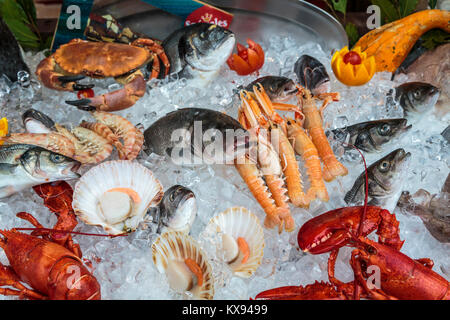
{"x": 304, "y": 146}
{"x": 290, "y": 167}
{"x": 268, "y": 159}
{"x": 105, "y": 132}
{"x": 121, "y": 127}
{"x": 52, "y": 141}
{"x": 252, "y": 177}
{"x": 89, "y": 146}
{"x": 313, "y": 124}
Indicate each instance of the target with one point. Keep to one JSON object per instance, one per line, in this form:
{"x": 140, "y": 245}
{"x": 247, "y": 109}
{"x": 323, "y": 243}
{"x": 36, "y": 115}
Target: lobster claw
{"x": 315, "y": 291}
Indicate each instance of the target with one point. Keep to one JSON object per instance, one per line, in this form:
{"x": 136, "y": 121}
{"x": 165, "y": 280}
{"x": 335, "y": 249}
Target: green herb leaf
{"x": 432, "y": 3}
{"x": 434, "y": 38}
{"x": 29, "y": 8}
{"x": 20, "y": 16}
{"x": 407, "y": 7}
{"x": 388, "y": 11}
{"x": 340, "y": 5}
{"x": 352, "y": 33}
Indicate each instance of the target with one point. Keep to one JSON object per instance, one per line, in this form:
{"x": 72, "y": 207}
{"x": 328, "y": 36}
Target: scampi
{"x": 184, "y": 134}
{"x": 176, "y": 211}
{"x": 370, "y": 136}
{"x": 198, "y": 51}
{"x": 385, "y": 181}
{"x": 415, "y": 98}
{"x": 23, "y": 166}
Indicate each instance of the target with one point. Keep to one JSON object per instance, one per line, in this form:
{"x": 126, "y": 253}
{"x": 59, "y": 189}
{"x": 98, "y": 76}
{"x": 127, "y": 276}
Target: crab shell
{"x": 100, "y": 59}
{"x": 177, "y": 246}
{"x": 239, "y": 222}
{"x": 112, "y": 175}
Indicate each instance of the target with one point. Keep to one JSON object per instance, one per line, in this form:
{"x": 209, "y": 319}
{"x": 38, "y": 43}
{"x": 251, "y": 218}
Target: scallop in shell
{"x": 241, "y": 241}
{"x": 116, "y": 195}
{"x": 187, "y": 269}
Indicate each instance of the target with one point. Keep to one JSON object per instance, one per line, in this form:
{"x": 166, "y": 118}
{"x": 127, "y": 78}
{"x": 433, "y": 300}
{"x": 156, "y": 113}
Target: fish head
{"x": 208, "y": 47}
{"x": 281, "y": 89}
{"x": 178, "y": 208}
{"x": 422, "y": 96}
{"x": 388, "y": 170}
{"x": 37, "y": 122}
{"x": 312, "y": 74}
{"x": 49, "y": 166}
{"x": 381, "y": 132}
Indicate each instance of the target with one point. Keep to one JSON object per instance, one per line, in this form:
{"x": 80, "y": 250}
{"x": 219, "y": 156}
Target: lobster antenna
{"x": 71, "y": 232}
{"x": 366, "y": 188}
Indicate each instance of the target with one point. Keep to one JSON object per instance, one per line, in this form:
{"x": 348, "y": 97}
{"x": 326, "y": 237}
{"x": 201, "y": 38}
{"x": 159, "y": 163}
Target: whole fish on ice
{"x": 417, "y": 99}
{"x": 176, "y": 211}
{"x": 198, "y": 51}
{"x": 385, "y": 181}
{"x": 184, "y": 135}
{"x": 370, "y": 136}
{"x": 23, "y": 166}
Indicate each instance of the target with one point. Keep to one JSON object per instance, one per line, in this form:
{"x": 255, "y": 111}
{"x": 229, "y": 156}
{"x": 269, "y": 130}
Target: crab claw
{"x": 79, "y": 87}
{"x": 315, "y": 291}
{"x": 334, "y": 229}
{"x": 64, "y": 80}
{"x": 82, "y": 104}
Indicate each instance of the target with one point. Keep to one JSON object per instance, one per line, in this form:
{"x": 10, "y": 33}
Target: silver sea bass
{"x": 23, "y": 166}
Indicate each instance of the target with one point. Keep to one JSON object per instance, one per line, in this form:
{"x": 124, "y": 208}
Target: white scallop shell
{"x": 239, "y": 222}
{"x": 178, "y": 246}
{"x": 115, "y": 174}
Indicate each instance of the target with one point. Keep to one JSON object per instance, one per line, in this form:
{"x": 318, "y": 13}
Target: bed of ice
{"x": 123, "y": 265}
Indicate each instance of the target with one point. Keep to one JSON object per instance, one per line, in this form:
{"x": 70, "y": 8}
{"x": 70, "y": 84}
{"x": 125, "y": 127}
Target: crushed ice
{"x": 124, "y": 267}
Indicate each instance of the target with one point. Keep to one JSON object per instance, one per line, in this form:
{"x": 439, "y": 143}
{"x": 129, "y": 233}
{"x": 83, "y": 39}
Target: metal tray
{"x": 256, "y": 19}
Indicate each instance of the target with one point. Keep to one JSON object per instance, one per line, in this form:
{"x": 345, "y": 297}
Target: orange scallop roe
{"x": 195, "y": 269}
{"x": 133, "y": 194}
{"x": 244, "y": 248}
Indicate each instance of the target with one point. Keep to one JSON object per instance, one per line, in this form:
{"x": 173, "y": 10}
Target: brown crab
{"x": 77, "y": 59}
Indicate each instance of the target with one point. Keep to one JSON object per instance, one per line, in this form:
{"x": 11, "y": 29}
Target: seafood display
{"x": 384, "y": 179}
{"x": 79, "y": 58}
{"x": 47, "y": 264}
{"x": 91, "y": 142}
{"x": 195, "y": 173}
{"x": 23, "y": 166}
{"x": 431, "y": 209}
{"x": 401, "y": 276}
{"x": 119, "y": 203}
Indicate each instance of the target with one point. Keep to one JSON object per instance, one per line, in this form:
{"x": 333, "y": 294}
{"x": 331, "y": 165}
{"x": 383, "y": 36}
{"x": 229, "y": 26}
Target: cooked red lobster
{"x": 400, "y": 276}
{"x": 51, "y": 265}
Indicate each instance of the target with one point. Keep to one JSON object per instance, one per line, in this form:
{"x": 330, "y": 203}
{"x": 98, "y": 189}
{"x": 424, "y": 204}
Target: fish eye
{"x": 363, "y": 136}
{"x": 57, "y": 158}
{"x": 385, "y": 129}
{"x": 171, "y": 197}
{"x": 417, "y": 94}
{"x": 384, "y": 166}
